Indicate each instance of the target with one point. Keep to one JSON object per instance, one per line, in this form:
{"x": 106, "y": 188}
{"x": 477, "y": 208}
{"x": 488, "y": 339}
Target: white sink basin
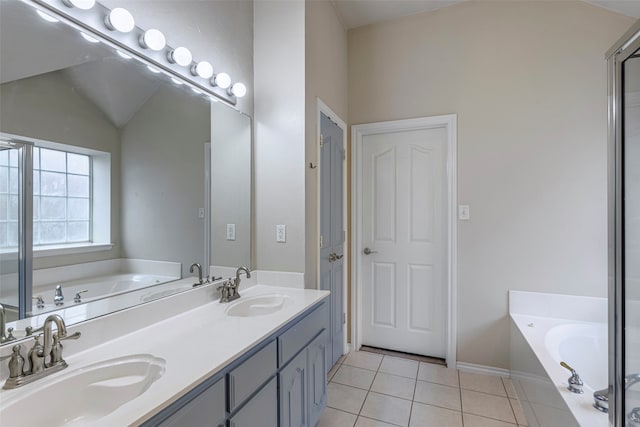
{"x": 83, "y": 396}
{"x": 257, "y": 306}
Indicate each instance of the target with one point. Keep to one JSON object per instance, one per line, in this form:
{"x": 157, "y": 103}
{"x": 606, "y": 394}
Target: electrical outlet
{"x": 463, "y": 212}
{"x": 281, "y": 233}
{"x": 231, "y": 232}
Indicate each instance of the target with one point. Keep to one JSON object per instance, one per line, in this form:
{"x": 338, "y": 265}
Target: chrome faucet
{"x": 199, "y": 267}
{"x": 601, "y": 397}
{"x": 5, "y": 335}
{"x": 229, "y": 289}
{"x": 38, "y": 354}
{"x": 58, "y": 298}
{"x": 575, "y": 382}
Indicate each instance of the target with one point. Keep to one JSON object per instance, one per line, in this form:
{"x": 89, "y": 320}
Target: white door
{"x": 404, "y": 240}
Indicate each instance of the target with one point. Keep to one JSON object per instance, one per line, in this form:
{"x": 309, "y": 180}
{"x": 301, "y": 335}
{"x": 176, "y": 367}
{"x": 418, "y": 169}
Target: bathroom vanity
{"x": 261, "y": 360}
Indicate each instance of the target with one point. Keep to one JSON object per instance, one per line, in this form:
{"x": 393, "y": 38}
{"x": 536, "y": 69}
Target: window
{"x": 8, "y": 198}
{"x": 61, "y": 197}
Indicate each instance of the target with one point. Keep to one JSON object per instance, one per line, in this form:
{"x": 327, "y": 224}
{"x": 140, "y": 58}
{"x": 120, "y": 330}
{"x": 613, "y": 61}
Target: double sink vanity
{"x": 187, "y": 359}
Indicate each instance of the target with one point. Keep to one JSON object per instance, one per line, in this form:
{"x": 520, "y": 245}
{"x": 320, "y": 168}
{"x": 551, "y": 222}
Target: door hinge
{"x": 321, "y": 140}
{"x": 344, "y": 318}
{"x": 321, "y": 240}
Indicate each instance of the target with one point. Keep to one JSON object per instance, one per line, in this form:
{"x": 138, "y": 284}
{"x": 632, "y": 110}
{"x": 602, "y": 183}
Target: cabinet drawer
{"x": 251, "y": 374}
{"x": 261, "y": 410}
{"x": 299, "y": 335}
{"x": 207, "y": 409}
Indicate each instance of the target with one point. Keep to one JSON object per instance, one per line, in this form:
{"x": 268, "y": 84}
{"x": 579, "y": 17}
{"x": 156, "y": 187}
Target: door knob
{"x": 334, "y": 257}
{"x": 368, "y": 251}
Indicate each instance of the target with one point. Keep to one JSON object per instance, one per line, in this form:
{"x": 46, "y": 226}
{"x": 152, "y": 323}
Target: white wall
{"x": 279, "y": 114}
{"x": 528, "y": 82}
{"x": 326, "y": 78}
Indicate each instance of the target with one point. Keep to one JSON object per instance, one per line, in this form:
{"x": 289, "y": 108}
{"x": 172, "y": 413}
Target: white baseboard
{"x": 481, "y": 369}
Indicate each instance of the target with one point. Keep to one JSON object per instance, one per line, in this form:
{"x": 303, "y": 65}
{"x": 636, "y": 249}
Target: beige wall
{"x": 279, "y": 130}
{"x": 326, "y": 78}
{"x": 528, "y": 83}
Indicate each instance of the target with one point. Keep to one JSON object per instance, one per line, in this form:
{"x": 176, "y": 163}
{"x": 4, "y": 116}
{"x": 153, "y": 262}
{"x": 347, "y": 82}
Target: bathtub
{"x": 97, "y": 287}
{"x": 544, "y": 333}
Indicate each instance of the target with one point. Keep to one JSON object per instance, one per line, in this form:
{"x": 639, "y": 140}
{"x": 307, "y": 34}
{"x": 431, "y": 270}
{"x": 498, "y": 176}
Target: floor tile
{"x": 438, "y": 374}
{"x": 345, "y": 398}
{"x": 427, "y": 415}
{"x": 368, "y": 422}
{"x": 438, "y": 395}
{"x": 483, "y": 383}
{"x": 487, "y": 405}
{"x": 400, "y": 367}
{"x": 362, "y": 359}
{"x": 355, "y": 377}
{"x": 511, "y": 390}
{"x": 471, "y": 420}
{"x": 518, "y": 412}
{"x": 394, "y": 385}
{"x": 334, "y": 418}
{"x": 387, "y": 408}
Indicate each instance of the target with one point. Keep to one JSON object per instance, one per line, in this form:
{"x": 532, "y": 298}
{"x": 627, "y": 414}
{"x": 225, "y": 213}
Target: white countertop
{"x": 195, "y": 344}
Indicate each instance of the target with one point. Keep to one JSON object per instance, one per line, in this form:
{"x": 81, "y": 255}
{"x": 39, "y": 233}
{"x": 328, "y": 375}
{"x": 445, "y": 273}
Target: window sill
{"x": 80, "y": 248}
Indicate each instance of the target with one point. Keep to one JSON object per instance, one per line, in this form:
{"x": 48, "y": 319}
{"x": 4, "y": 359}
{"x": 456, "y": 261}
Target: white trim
{"x": 324, "y": 108}
{"x": 482, "y": 369}
{"x": 71, "y": 249}
{"x": 449, "y": 122}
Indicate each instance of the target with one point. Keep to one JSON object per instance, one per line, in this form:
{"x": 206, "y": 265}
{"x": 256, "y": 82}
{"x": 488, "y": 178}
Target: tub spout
{"x": 630, "y": 380}
{"x": 601, "y": 399}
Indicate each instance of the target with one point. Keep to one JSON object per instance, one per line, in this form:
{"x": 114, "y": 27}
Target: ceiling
{"x": 356, "y": 13}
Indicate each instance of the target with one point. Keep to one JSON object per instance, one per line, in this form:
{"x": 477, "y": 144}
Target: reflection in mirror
{"x": 118, "y": 170}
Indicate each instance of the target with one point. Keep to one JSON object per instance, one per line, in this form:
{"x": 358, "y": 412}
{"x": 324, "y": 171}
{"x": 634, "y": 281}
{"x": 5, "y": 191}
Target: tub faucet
{"x": 199, "y": 267}
{"x": 58, "y": 298}
{"x": 601, "y": 397}
{"x": 575, "y": 382}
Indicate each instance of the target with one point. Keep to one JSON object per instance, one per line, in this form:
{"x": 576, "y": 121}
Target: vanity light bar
{"x": 117, "y": 29}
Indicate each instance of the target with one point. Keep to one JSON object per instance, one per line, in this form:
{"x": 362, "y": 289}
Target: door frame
{"x": 358, "y": 132}
{"x": 321, "y": 107}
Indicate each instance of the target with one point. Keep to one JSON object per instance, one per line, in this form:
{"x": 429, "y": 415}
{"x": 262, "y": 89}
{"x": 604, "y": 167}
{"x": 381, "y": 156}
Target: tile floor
{"x": 371, "y": 390}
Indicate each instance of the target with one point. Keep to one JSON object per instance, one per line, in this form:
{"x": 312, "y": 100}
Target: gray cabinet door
{"x": 293, "y": 393}
{"x": 261, "y": 410}
{"x": 317, "y": 359}
{"x": 206, "y": 410}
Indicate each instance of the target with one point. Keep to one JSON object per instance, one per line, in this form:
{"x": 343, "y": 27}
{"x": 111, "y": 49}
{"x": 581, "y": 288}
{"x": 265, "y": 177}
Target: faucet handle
{"x": 78, "y": 297}
{"x": 73, "y": 336}
{"x": 39, "y": 301}
{"x": 575, "y": 382}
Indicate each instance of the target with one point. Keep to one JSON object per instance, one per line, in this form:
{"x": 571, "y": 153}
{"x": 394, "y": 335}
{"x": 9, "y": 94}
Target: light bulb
{"x": 122, "y": 54}
{"x": 181, "y": 56}
{"x": 153, "y": 39}
{"x": 202, "y": 69}
{"x": 120, "y": 19}
{"x": 80, "y": 4}
{"x": 238, "y": 89}
{"x": 46, "y": 16}
{"x": 89, "y": 38}
{"x": 222, "y": 80}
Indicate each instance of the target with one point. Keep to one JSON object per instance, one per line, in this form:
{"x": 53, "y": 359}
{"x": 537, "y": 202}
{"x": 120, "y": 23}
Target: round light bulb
{"x": 153, "y": 39}
{"x": 181, "y": 56}
{"x": 202, "y": 69}
{"x": 46, "y": 16}
{"x": 238, "y": 89}
{"x": 222, "y": 80}
{"x": 89, "y": 38}
{"x": 80, "y": 4}
{"x": 120, "y": 19}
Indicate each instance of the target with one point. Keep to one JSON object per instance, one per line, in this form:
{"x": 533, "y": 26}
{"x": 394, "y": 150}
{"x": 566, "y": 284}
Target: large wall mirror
{"x": 134, "y": 175}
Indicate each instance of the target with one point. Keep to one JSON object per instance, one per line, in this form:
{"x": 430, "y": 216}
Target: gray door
{"x": 332, "y": 232}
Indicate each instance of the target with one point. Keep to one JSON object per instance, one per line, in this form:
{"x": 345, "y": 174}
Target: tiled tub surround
{"x": 547, "y": 329}
{"x": 189, "y": 330}
{"x": 371, "y": 390}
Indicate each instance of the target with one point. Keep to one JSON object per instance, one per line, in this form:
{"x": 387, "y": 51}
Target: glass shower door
{"x": 630, "y": 113}
{"x": 15, "y": 237}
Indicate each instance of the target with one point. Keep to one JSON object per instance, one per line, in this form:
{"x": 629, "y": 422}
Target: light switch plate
{"x": 281, "y": 233}
{"x": 231, "y": 232}
{"x": 463, "y": 212}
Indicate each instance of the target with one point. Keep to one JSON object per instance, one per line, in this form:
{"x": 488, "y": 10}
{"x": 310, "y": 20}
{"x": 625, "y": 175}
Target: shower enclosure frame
{"x": 623, "y": 49}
